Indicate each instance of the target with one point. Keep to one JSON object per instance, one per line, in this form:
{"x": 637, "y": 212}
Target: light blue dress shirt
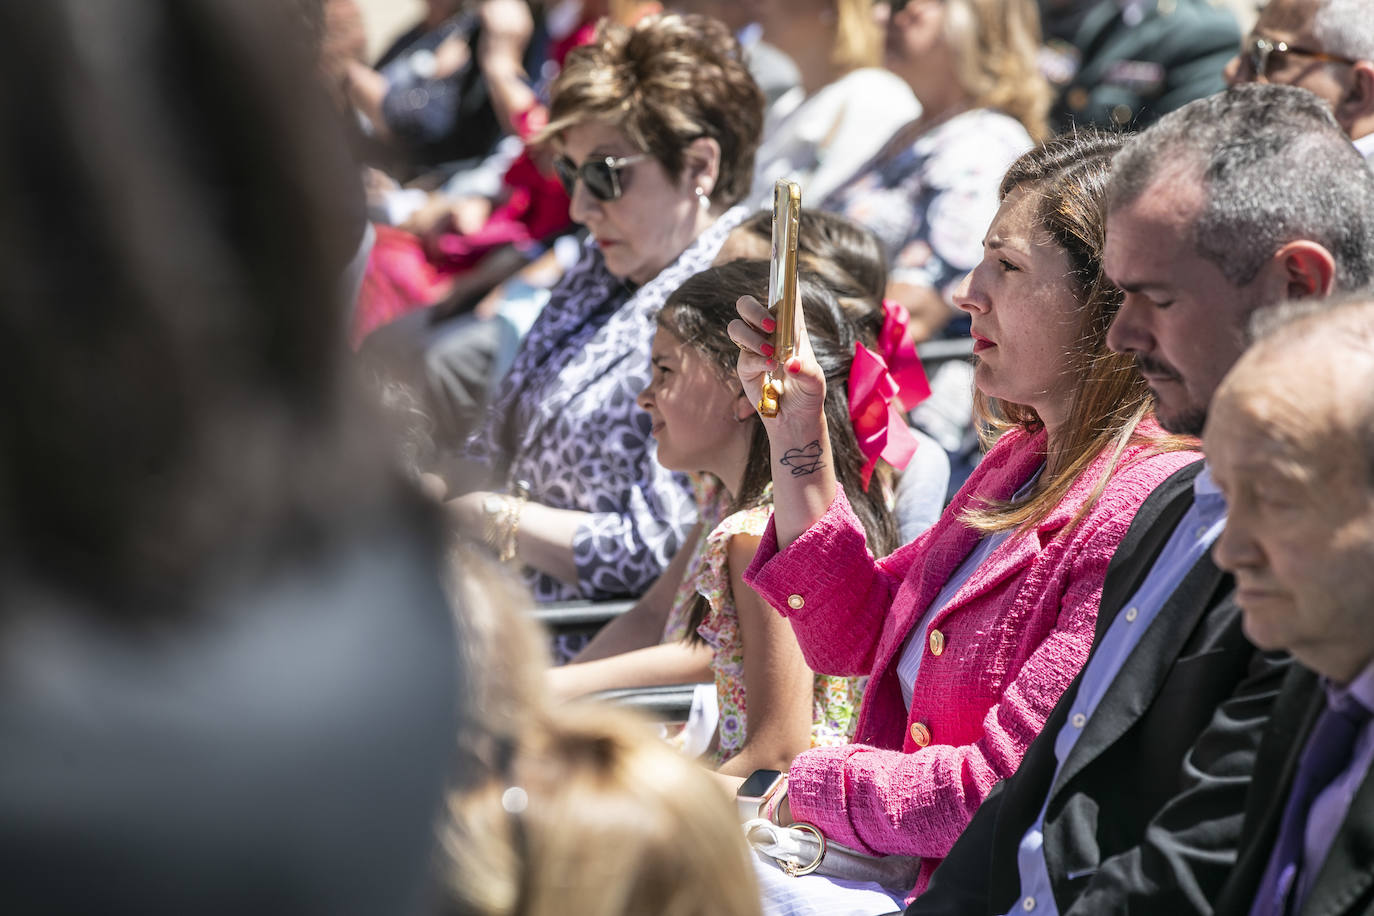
{"x": 909, "y": 664}
{"x": 1191, "y": 539}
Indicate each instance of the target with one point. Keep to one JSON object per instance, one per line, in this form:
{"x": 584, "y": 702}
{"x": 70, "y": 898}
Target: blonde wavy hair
{"x": 995, "y": 43}
{"x": 595, "y": 816}
{"x": 857, "y": 40}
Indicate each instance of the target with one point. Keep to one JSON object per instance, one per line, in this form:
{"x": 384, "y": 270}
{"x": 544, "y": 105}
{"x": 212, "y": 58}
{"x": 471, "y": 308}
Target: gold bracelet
{"x": 510, "y": 535}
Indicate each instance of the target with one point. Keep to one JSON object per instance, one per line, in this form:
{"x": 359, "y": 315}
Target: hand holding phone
{"x": 782, "y": 288}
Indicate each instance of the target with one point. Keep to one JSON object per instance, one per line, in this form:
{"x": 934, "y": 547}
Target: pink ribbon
{"x": 900, "y": 355}
{"x": 881, "y": 386}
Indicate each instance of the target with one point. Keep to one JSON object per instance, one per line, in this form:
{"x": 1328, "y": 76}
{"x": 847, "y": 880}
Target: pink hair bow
{"x": 881, "y": 386}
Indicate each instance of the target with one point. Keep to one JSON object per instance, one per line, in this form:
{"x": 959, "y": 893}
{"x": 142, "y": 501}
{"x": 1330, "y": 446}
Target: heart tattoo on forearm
{"x": 803, "y": 461}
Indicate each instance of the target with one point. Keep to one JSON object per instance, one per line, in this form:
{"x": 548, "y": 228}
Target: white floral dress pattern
{"x": 564, "y": 423}
{"x": 835, "y": 700}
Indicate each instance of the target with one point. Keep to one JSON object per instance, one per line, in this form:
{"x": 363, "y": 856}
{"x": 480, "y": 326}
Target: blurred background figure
{"x": 846, "y": 106}
{"x": 931, "y": 190}
{"x": 426, "y": 101}
{"x": 227, "y": 667}
{"x": 1323, "y": 46}
{"x": 1123, "y": 63}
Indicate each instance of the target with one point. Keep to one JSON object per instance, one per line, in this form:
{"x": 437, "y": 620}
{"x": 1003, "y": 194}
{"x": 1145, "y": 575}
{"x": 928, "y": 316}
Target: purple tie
{"x": 1325, "y": 756}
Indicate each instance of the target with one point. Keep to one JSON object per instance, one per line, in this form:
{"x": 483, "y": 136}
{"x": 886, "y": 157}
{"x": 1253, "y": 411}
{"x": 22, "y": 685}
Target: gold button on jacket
{"x": 795, "y": 602}
{"x": 920, "y": 734}
{"x": 937, "y": 642}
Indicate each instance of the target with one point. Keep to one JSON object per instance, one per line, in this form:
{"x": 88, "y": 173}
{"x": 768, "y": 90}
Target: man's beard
{"x": 1186, "y": 421}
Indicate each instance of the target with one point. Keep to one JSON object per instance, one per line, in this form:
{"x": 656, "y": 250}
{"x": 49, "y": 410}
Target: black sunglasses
{"x": 601, "y": 176}
{"x": 1261, "y": 54}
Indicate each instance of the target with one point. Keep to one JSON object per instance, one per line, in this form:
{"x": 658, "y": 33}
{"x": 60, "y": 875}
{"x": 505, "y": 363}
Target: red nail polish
{"x": 794, "y": 365}
{"x": 769, "y": 325}
{"x": 766, "y": 349}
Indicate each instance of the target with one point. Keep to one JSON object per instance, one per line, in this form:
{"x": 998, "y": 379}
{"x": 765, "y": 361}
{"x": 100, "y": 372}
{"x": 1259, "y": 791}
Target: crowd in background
{"x": 1043, "y": 587}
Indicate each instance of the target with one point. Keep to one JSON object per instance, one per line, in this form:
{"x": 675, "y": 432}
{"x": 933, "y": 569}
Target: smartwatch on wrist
{"x": 754, "y": 793}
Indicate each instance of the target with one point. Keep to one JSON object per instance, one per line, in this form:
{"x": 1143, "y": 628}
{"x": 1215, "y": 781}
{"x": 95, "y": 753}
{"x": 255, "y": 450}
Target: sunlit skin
{"x": 1285, "y": 446}
{"x": 1347, "y": 87}
{"x": 656, "y": 217}
{"x": 1181, "y": 318}
{"x": 1025, "y": 313}
{"x": 698, "y": 416}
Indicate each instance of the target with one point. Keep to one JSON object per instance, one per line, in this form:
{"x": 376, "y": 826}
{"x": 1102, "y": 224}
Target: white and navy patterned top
{"x": 930, "y": 193}
{"x": 564, "y": 423}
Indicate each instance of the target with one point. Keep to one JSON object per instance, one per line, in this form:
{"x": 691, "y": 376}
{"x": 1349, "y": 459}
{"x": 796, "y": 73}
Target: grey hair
{"x": 1343, "y": 326}
{"x": 1275, "y": 167}
{"x": 1344, "y": 27}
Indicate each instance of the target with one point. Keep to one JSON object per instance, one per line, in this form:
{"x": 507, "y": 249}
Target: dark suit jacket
{"x": 1148, "y": 807}
{"x": 1345, "y": 882}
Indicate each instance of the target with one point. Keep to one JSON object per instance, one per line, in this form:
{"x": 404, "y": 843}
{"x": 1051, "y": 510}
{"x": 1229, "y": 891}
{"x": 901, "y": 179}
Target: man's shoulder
{"x": 1159, "y": 515}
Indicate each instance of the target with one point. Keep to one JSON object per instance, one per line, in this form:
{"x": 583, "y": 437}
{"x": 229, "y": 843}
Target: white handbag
{"x": 802, "y": 849}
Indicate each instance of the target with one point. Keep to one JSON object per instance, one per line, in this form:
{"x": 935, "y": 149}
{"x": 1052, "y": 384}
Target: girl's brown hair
{"x": 1069, "y": 176}
{"x": 698, "y": 313}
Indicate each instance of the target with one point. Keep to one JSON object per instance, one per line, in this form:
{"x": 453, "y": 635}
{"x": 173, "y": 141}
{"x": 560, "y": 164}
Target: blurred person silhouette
{"x": 591, "y": 815}
{"x": 227, "y": 667}
{"x": 426, "y": 102}
{"x": 1124, "y": 63}
{"x": 1323, "y": 46}
{"x": 846, "y": 106}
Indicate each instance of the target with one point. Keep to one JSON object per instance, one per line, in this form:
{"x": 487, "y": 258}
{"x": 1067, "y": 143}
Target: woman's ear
{"x": 701, "y": 164}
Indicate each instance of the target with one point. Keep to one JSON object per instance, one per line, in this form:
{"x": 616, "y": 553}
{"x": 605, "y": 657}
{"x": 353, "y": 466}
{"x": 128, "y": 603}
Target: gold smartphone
{"x": 782, "y": 289}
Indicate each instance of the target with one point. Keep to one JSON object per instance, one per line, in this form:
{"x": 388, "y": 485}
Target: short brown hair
{"x": 663, "y": 83}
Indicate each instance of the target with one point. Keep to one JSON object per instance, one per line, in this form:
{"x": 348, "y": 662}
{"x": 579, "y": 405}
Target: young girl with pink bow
{"x": 703, "y": 424}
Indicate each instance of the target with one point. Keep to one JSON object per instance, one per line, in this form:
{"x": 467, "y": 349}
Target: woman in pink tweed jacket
{"x": 990, "y": 614}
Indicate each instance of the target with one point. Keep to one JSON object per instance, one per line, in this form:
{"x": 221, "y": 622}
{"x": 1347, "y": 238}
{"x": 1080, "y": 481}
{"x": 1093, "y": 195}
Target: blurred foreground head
{"x": 178, "y": 205}
{"x": 593, "y": 815}
{"x": 227, "y": 670}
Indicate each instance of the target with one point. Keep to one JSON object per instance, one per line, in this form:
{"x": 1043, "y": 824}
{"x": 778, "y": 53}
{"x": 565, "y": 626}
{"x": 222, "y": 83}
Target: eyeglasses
{"x": 1258, "y": 54}
{"x": 601, "y": 176}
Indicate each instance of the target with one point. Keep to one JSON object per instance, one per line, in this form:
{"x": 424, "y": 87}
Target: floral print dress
{"x": 835, "y": 700}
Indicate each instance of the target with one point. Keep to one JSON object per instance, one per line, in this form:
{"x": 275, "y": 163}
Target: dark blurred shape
{"x": 227, "y": 671}
{"x": 1120, "y": 64}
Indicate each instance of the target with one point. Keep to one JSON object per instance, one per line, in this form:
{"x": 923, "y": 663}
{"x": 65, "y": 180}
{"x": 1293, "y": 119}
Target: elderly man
{"x": 1324, "y": 46}
{"x": 1291, "y": 442}
{"x": 1130, "y": 799}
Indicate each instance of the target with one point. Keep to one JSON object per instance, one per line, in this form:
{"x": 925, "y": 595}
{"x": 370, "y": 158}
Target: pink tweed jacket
{"x": 1011, "y": 639}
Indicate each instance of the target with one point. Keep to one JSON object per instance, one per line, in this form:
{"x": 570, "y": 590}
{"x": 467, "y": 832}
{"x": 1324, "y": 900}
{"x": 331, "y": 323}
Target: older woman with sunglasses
{"x": 655, "y": 128}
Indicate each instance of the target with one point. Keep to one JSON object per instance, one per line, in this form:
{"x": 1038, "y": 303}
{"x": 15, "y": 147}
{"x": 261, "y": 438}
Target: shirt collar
{"x": 1359, "y": 691}
{"x": 1207, "y": 495}
{"x": 1365, "y": 145}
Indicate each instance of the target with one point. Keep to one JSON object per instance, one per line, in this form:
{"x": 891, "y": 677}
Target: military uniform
{"x": 1123, "y": 63}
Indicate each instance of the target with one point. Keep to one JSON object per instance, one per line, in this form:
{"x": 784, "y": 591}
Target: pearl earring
{"x": 702, "y": 199}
